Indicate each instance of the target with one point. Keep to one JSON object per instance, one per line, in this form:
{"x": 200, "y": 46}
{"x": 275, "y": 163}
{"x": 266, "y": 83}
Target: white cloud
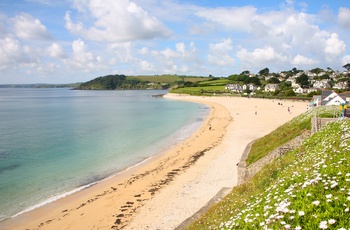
{"x": 260, "y": 57}
{"x": 27, "y": 27}
{"x": 300, "y": 60}
{"x": 47, "y": 69}
{"x": 13, "y": 54}
{"x": 180, "y": 51}
{"x": 219, "y": 53}
{"x": 334, "y": 48}
{"x": 344, "y": 17}
{"x": 236, "y": 18}
{"x": 82, "y": 59}
{"x": 123, "y": 51}
{"x": 115, "y": 21}
{"x": 56, "y": 51}
{"x": 147, "y": 66}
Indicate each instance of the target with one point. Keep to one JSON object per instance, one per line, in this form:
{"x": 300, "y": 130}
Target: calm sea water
{"x": 56, "y": 141}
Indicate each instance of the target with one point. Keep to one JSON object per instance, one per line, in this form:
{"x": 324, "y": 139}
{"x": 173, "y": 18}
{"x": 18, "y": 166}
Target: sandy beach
{"x": 169, "y": 188}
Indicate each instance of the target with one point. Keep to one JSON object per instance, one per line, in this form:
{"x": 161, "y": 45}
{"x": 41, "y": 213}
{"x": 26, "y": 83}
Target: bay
{"x": 56, "y": 141}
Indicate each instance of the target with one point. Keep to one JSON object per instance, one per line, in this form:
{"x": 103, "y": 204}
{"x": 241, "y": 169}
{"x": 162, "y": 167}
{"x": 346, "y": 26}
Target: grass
{"x": 220, "y": 82}
{"x": 308, "y": 188}
{"x": 167, "y": 78}
{"x": 286, "y": 132}
{"x": 281, "y": 135}
{"x": 200, "y": 90}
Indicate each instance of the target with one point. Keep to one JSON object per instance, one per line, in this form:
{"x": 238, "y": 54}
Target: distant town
{"x": 291, "y": 83}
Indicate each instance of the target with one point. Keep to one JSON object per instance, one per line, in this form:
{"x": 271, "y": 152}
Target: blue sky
{"x": 50, "y": 41}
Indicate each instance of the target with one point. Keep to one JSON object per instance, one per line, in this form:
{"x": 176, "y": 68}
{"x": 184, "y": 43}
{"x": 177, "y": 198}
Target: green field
{"x": 202, "y": 90}
{"x": 168, "y": 78}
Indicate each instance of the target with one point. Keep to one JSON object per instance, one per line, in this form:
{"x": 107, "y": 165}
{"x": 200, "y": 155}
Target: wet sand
{"x": 170, "y": 187}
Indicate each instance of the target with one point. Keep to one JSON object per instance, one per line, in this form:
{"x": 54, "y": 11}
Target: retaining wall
{"x": 246, "y": 172}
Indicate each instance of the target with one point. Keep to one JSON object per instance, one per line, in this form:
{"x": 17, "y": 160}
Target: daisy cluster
{"x": 308, "y": 188}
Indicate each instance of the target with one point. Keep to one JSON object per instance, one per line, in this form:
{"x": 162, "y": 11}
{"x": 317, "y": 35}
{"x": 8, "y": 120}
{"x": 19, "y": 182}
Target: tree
{"x": 289, "y": 93}
{"x": 316, "y": 70}
{"x": 295, "y": 70}
{"x": 347, "y": 67}
{"x": 255, "y": 81}
{"x": 273, "y": 80}
{"x": 246, "y": 72}
{"x": 264, "y": 72}
{"x": 303, "y": 80}
{"x": 285, "y": 85}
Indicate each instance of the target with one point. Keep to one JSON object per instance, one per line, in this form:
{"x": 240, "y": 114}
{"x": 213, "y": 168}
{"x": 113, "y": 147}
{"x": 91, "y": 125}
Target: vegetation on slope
{"x": 305, "y": 189}
{"x": 287, "y": 132}
{"x": 113, "y": 82}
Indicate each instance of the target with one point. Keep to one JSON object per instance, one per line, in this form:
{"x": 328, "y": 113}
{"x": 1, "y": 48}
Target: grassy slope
{"x": 167, "y": 78}
{"x": 306, "y": 189}
{"x": 280, "y": 136}
{"x": 287, "y": 132}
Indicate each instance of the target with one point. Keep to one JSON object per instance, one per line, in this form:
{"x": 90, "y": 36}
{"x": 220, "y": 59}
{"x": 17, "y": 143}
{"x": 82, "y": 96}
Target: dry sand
{"x": 169, "y": 188}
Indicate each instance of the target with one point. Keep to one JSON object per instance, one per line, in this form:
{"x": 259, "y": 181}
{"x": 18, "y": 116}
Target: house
{"x": 346, "y": 96}
{"x": 250, "y": 87}
{"x": 309, "y": 90}
{"x": 237, "y": 88}
{"x": 331, "y": 98}
{"x": 322, "y": 84}
{"x": 298, "y": 90}
{"x": 271, "y": 87}
{"x": 293, "y": 82}
{"x": 341, "y": 85}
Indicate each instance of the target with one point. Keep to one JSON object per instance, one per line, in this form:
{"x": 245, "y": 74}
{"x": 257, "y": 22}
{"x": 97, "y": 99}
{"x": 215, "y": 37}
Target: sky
{"x": 68, "y": 41}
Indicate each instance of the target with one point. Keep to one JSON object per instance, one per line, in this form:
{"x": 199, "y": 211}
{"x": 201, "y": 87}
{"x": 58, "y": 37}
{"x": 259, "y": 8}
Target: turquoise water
{"x": 56, "y": 141}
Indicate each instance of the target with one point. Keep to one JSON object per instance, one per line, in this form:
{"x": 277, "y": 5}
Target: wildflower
{"x": 331, "y": 221}
{"x": 334, "y": 184}
{"x": 301, "y": 213}
{"x": 287, "y": 226}
{"x": 283, "y": 206}
{"x": 329, "y": 196}
{"x": 323, "y": 225}
{"x": 316, "y": 202}
{"x": 297, "y": 228}
{"x": 347, "y": 210}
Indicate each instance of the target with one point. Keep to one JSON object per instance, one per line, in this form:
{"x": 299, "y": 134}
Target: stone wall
{"x": 317, "y": 123}
{"x": 246, "y": 172}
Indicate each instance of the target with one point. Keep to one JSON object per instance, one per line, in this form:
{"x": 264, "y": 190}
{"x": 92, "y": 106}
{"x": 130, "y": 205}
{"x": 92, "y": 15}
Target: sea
{"x": 54, "y": 142}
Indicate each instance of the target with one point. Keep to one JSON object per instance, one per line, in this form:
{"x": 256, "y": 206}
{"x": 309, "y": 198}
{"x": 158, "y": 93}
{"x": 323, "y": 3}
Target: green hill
{"x": 113, "y": 82}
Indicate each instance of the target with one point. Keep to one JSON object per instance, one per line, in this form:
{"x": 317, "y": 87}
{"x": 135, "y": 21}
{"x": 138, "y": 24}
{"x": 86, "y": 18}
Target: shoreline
{"x": 158, "y": 193}
{"x": 158, "y": 170}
